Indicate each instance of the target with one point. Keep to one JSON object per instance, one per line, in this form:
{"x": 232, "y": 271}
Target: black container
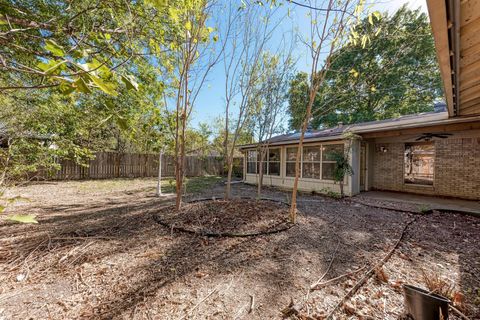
{"x": 422, "y": 305}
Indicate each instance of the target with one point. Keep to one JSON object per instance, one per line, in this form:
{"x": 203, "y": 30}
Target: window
{"x": 328, "y": 160}
{"x": 264, "y": 165}
{"x": 290, "y": 161}
{"x": 311, "y": 162}
{"x": 251, "y": 161}
{"x": 271, "y": 163}
{"x": 274, "y": 162}
{"x": 419, "y": 163}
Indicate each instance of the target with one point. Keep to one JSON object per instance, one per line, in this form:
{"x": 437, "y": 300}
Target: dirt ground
{"x": 97, "y": 253}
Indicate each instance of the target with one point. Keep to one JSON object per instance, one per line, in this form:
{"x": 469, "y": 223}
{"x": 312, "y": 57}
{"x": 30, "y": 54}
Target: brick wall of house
{"x": 456, "y": 171}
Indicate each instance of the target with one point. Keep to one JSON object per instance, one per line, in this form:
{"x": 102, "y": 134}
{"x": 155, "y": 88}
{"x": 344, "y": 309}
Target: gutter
{"x": 400, "y": 123}
{"x": 296, "y": 141}
{"x": 435, "y": 119}
{"x": 426, "y": 125}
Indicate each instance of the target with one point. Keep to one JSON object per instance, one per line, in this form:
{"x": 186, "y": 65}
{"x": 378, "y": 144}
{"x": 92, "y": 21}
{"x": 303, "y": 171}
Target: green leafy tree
{"x": 245, "y": 136}
{"x": 198, "y": 140}
{"x": 42, "y": 127}
{"x": 80, "y": 45}
{"x": 393, "y": 72}
{"x": 84, "y": 76}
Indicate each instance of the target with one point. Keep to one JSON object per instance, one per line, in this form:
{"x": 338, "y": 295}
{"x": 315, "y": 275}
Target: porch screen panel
{"x": 311, "y": 162}
{"x": 290, "y": 161}
{"x": 328, "y": 159}
{"x": 419, "y": 163}
{"x": 265, "y": 161}
{"x": 252, "y": 161}
{"x": 274, "y": 162}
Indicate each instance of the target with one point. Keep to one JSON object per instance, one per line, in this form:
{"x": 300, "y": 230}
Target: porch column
{"x": 244, "y": 173}
{"x": 353, "y": 186}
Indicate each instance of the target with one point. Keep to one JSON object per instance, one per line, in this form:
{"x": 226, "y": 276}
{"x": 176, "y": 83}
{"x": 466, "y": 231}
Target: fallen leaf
{"x": 458, "y": 299}
{"x": 381, "y": 275}
{"x": 200, "y": 275}
{"x": 349, "y": 309}
{"x": 23, "y": 218}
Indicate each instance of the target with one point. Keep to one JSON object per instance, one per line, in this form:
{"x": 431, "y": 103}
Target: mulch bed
{"x": 227, "y": 218}
{"x": 99, "y": 253}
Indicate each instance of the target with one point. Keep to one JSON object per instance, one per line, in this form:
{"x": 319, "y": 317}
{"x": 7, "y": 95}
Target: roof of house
{"x": 408, "y": 121}
{"x": 6, "y": 132}
{"x": 3, "y": 130}
{"x": 455, "y": 28}
{"x": 324, "y": 133}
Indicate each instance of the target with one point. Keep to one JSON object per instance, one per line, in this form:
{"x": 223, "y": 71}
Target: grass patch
{"x": 192, "y": 185}
{"x": 103, "y": 185}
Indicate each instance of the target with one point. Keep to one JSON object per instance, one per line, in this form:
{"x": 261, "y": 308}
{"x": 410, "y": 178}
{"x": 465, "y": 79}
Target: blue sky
{"x": 210, "y": 103}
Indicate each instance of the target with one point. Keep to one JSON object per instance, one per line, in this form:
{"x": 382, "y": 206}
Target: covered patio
{"x": 417, "y": 202}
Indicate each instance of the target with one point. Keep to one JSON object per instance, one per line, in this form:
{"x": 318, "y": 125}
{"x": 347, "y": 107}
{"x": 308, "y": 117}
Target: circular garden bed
{"x": 227, "y": 218}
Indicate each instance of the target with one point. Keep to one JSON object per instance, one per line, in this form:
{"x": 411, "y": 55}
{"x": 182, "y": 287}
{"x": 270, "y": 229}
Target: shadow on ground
{"x": 113, "y": 261}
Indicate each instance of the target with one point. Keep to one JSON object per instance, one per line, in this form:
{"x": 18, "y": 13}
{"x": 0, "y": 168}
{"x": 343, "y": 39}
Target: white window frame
{"x": 328, "y": 161}
{"x": 256, "y": 161}
{"x": 266, "y": 162}
{"x": 319, "y": 147}
{"x": 286, "y": 160}
{"x": 279, "y": 162}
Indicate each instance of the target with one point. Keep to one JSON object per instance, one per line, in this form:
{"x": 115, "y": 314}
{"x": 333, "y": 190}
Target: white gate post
{"x": 159, "y": 182}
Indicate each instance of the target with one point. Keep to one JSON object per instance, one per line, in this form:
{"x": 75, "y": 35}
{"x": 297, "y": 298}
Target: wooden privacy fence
{"x": 132, "y": 165}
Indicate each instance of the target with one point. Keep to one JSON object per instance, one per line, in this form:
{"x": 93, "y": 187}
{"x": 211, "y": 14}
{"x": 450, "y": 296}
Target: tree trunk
{"x": 228, "y": 188}
{"x": 225, "y": 143}
{"x": 260, "y": 173}
{"x": 178, "y": 187}
{"x": 341, "y": 189}
{"x": 178, "y": 183}
{"x": 293, "y": 205}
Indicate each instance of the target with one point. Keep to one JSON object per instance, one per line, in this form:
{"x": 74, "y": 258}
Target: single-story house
{"x": 7, "y": 133}
{"x": 3, "y": 136}
{"x": 427, "y": 153}
{"x": 435, "y": 153}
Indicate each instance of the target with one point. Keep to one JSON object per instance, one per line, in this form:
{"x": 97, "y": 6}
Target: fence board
{"x": 108, "y": 165}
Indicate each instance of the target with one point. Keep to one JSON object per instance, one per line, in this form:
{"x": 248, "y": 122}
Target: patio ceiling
{"x": 456, "y": 30}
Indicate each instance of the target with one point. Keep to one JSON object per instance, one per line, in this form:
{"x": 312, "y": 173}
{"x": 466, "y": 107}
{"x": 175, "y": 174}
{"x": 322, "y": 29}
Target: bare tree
{"x": 197, "y": 55}
{"x": 329, "y": 22}
{"x": 276, "y": 73}
{"x": 251, "y": 33}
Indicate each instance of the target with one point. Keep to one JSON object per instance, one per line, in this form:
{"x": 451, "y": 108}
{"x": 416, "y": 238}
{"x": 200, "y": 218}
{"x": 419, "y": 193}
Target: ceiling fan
{"x": 431, "y": 135}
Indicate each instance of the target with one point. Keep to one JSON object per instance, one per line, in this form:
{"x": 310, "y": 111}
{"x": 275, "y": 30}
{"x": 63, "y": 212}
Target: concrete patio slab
{"x": 438, "y": 203}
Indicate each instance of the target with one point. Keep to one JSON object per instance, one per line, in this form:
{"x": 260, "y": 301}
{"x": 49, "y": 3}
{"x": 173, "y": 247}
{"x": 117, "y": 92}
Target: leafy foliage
{"x": 77, "y": 46}
{"x": 391, "y": 73}
{"x": 342, "y": 169}
{"x": 342, "y": 166}
{"x": 23, "y": 218}
{"x": 43, "y": 127}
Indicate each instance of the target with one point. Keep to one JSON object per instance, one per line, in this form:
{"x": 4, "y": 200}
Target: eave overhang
{"x": 456, "y": 31}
